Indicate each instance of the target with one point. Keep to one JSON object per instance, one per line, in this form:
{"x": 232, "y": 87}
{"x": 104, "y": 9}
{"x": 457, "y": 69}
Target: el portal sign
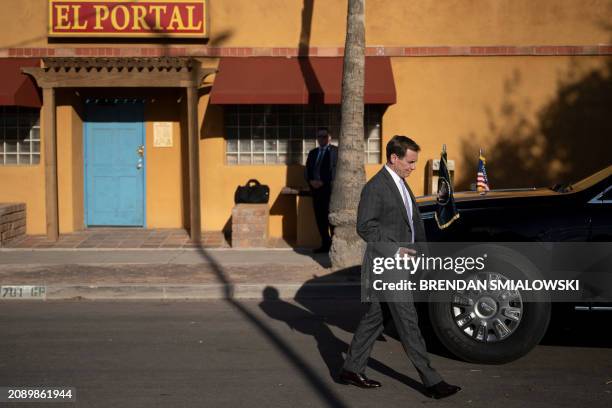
{"x": 128, "y": 18}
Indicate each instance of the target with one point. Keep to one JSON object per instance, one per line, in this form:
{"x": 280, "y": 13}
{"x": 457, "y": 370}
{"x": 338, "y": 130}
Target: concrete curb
{"x": 340, "y": 290}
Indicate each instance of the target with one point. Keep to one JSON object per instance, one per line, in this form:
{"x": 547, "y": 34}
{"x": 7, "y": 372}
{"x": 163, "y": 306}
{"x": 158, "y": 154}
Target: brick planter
{"x": 12, "y": 222}
{"x": 250, "y": 225}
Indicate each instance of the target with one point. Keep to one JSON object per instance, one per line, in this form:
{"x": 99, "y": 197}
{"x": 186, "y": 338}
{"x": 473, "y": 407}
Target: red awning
{"x": 17, "y": 88}
{"x": 274, "y": 80}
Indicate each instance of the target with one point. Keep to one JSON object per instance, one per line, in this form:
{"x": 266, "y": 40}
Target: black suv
{"x": 568, "y": 213}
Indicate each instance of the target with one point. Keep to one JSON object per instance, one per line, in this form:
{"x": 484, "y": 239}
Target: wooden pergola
{"x": 164, "y": 72}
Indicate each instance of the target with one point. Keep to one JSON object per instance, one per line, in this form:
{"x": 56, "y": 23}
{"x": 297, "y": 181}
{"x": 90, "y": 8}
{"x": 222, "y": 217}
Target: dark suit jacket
{"x": 383, "y": 223}
{"x": 328, "y": 164}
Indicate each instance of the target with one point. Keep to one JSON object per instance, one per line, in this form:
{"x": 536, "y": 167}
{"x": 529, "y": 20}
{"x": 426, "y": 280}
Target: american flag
{"x": 482, "y": 182}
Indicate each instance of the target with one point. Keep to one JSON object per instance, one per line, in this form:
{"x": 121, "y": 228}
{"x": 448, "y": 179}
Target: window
{"x": 607, "y": 195}
{"x": 284, "y": 134}
{"x": 19, "y": 135}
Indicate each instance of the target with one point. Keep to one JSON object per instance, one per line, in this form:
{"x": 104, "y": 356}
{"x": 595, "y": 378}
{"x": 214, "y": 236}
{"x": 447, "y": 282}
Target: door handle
{"x": 140, "y": 150}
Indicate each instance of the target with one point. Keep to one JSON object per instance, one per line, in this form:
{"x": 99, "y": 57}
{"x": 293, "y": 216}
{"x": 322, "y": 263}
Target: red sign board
{"x": 125, "y": 18}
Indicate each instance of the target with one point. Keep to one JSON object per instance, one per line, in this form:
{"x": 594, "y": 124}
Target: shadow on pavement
{"x": 321, "y": 259}
{"x": 325, "y": 393}
{"x": 352, "y": 295}
{"x": 567, "y": 327}
{"x": 571, "y": 328}
{"x": 314, "y": 317}
{"x": 331, "y": 348}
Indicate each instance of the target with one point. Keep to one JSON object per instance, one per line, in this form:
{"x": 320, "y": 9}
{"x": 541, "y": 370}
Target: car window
{"x": 607, "y": 195}
{"x": 604, "y": 197}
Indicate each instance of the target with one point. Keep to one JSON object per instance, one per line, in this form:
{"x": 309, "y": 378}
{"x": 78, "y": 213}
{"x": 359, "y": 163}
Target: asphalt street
{"x": 231, "y": 353}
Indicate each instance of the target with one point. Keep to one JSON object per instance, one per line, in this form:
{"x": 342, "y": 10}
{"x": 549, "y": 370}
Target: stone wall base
{"x": 12, "y": 222}
{"x": 250, "y": 225}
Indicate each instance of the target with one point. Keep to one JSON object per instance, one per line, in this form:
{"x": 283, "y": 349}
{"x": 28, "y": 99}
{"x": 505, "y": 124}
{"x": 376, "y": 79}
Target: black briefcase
{"x": 252, "y": 193}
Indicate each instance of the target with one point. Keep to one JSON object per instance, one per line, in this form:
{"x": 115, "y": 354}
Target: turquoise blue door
{"x": 114, "y": 164}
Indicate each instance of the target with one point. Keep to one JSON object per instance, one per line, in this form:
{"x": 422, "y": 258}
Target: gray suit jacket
{"x": 382, "y": 222}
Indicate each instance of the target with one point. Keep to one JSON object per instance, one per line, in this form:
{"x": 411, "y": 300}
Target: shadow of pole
{"x": 325, "y": 393}
{"x": 312, "y": 323}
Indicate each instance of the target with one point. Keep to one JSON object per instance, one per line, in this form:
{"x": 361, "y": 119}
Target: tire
{"x": 492, "y": 348}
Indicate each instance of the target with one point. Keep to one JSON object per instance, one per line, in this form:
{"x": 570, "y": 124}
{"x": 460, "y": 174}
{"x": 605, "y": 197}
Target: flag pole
{"x": 446, "y": 211}
{"x": 481, "y": 159}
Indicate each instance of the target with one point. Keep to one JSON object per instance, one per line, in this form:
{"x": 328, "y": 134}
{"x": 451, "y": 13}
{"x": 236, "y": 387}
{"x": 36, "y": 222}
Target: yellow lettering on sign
{"x": 77, "y": 19}
{"x": 63, "y": 19}
{"x": 153, "y": 17}
{"x": 157, "y": 10}
{"x": 176, "y": 19}
{"x": 190, "y": 25}
{"x": 139, "y": 18}
{"x": 126, "y": 17}
{"x": 102, "y": 13}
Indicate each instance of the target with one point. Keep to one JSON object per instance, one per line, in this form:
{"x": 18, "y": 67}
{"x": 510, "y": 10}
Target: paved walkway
{"x": 131, "y": 238}
{"x": 170, "y": 274}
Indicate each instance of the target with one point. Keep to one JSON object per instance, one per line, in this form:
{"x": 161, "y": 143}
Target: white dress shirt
{"x": 401, "y": 187}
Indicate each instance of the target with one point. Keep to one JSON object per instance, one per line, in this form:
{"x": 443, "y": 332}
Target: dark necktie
{"x": 317, "y": 168}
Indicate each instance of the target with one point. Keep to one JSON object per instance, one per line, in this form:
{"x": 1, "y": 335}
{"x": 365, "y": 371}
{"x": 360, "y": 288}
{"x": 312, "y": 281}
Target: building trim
{"x": 387, "y": 51}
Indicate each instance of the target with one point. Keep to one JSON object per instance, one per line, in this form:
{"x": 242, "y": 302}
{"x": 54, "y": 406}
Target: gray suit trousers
{"x": 372, "y": 324}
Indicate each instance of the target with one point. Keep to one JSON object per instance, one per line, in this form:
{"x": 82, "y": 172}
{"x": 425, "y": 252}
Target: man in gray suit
{"x": 388, "y": 216}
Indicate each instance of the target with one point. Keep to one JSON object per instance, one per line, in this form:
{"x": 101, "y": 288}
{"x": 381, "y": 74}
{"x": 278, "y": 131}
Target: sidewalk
{"x": 158, "y": 274}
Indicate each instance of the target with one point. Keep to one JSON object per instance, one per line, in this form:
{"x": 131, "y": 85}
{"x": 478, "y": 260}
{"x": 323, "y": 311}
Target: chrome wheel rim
{"x": 487, "y": 316}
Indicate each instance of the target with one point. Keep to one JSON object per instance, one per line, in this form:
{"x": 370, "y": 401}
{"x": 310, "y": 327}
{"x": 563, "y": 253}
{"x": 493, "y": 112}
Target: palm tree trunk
{"x": 347, "y": 247}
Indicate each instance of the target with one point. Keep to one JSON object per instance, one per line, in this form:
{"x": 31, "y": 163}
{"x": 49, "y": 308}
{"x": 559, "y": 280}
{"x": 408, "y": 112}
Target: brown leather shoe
{"x": 441, "y": 390}
{"x": 359, "y": 380}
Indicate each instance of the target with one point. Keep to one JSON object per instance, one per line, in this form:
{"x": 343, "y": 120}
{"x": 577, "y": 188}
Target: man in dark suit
{"x": 389, "y": 221}
{"x": 320, "y": 173}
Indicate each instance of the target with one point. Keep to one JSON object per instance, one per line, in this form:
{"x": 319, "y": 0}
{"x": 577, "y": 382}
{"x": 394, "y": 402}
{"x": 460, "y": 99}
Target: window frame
{"x": 289, "y": 125}
{"x": 12, "y": 120}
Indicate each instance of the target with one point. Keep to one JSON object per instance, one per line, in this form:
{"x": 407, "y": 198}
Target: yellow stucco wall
{"x": 267, "y": 23}
{"x": 495, "y": 102}
{"x": 164, "y": 176}
{"x": 453, "y": 101}
{"x": 65, "y": 170}
{"x": 26, "y": 185}
{"x": 463, "y": 102}
{"x": 219, "y": 181}
{"x": 448, "y": 101}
